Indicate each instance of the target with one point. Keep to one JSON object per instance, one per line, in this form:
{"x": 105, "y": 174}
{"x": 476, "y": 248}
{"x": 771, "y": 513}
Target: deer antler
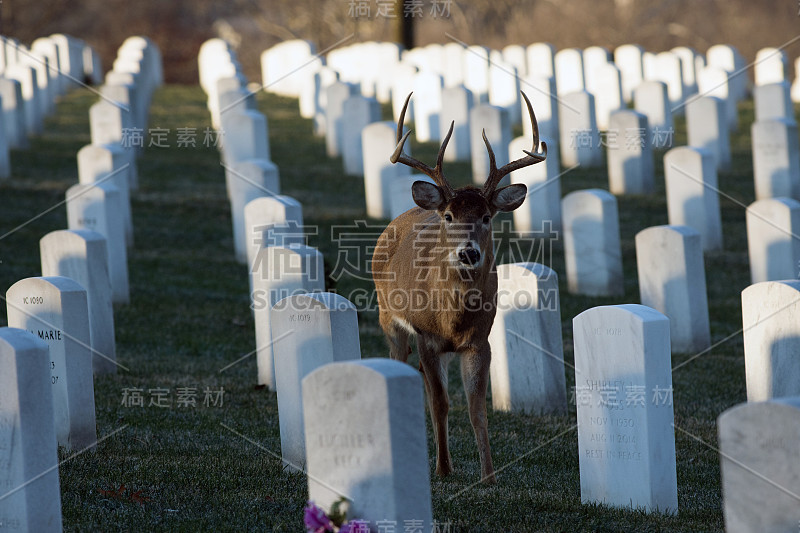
{"x": 532, "y": 157}
{"x": 436, "y": 172}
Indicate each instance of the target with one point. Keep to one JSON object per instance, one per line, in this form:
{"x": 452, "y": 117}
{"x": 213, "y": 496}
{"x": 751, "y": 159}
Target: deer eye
{"x": 486, "y": 219}
{"x": 448, "y": 217}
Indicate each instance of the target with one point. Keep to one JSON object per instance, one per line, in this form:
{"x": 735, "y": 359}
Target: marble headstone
{"x": 280, "y": 272}
{"x": 623, "y": 377}
{"x": 672, "y": 280}
{"x": 592, "y": 246}
{"x": 771, "y": 339}
{"x": 365, "y": 439}
{"x": 759, "y": 460}
{"x": 527, "y": 368}
{"x": 324, "y": 329}
{"x": 56, "y": 310}
{"x": 28, "y": 449}
{"x": 773, "y": 241}
{"x": 692, "y": 197}
{"x": 82, "y": 256}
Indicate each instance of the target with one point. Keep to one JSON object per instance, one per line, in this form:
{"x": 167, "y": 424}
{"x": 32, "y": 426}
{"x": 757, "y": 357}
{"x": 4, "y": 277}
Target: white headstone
{"x": 776, "y": 158}
{"x": 272, "y": 221}
{"x": 592, "y": 246}
{"x": 579, "y": 136}
{"x": 378, "y": 140}
{"x": 13, "y": 113}
{"x": 31, "y": 496}
{"x": 98, "y": 208}
{"x": 476, "y": 72}
{"x": 650, "y": 98}
{"x": 427, "y": 106}
{"x": 247, "y": 180}
{"x": 668, "y": 68}
{"x": 606, "y": 88}
{"x": 246, "y": 136}
{"x": 713, "y": 81}
{"x": 707, "y": 128}
{"x": 82, "y": 256}
{"x": 692, "y": 194}
{"x": 623, "y": 378}
{"x": 759, "y": 460}
{"x": 773, "y": 100}
{"x": 56, "y": 310}
{"x": 357, "y": 112}
{"x": 541, "y": 211}
{"x": 27, "y": 77}
{"x": 771, "y": 339}
{"x": 456, "y": 106}
{"x": 517, "y": 56}
{"x": 365, "y": 440}
{"x": 569, "y": 71}
{"x": 594, "y": 57}
{"x": 630, "y": 155}
{"x": 493, "y": 120}
{"x": 773, "y": 244}
{"x": 453, "y": 67}
{"x": 107, "y": 163}
{"x": 728, "y": 58}
{"x": 628, "y": 58}
{"x": 110, "y": 124}
{"x": 541, "y": 60}
{"x": 796, "y": 83}
{"x": 688, "y": 69}
{"x": 770, "y": 66}
{"x": 322, "y": 328}
{"x": 527, "y": 369}
{"x": 279, "y": 272}
{"x": 672, "y": 280}
{"x": 504, "y": 88}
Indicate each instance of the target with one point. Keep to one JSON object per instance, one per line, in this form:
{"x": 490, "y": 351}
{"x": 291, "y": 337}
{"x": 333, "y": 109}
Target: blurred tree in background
{"x": 179, "y": 27}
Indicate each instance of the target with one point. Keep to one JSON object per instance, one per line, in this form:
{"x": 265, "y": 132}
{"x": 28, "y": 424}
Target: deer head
{"x": 466, "y": 214}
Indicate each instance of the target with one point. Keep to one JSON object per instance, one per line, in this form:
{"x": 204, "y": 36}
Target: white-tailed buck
{"x": 435, "y": 277}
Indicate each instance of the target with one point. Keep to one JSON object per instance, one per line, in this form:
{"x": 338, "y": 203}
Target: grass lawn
{"x": 217, "y": 467}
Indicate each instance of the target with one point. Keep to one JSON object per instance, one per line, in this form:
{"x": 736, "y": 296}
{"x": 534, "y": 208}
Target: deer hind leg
{"x": 396, "y": 337}
{"x": 475, "y": 375}
{"x": 434, "y": 373}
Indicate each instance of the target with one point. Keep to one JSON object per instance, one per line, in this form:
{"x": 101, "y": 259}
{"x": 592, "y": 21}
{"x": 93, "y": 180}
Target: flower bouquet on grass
{"x": 317, "y": 521}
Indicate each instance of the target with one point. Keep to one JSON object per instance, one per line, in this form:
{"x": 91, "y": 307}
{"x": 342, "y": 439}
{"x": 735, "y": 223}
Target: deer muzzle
{"x": 469, "y": 254}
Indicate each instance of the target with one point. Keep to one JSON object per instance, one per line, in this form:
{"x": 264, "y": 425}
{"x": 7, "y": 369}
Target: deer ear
{"x": 510, "y": 197}
{"x": 427, "y": 195}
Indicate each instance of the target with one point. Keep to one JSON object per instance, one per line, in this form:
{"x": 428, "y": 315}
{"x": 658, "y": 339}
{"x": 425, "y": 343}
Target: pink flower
{"x": 355, "y": 526}
{"x": 316, "y": 520}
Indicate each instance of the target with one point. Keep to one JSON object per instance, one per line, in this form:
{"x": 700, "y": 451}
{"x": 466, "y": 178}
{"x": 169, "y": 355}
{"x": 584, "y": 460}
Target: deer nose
{"x": 469, "y": 256}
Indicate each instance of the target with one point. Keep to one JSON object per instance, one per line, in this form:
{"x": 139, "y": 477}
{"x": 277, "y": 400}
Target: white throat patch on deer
{"x": 435, "y": 277}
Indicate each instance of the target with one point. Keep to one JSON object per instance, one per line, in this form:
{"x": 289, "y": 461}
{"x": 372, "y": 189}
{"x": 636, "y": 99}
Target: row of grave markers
{"x": 664, "y": 283}
{"x": 63, "y": 321}
{"x": 31, "y": 79}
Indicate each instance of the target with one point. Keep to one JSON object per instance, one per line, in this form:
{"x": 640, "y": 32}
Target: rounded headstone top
{"x": 759, "y": 410}
{"x": 73, "y": 234}
{"x": 524, "y": 268}
{"x": 685, "y": 231}
{"x": 61, "y": 283}
{"x": 19, "y": 340}
{"x": 601, "y": 194}
{"x": 315, "y": 301}
{"x": 642, "y": 313}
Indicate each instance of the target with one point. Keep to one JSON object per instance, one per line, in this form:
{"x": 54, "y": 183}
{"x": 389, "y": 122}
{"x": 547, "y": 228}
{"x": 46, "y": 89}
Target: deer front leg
{"x": 434, "y": 373}
{"x": 475, "y": 375}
